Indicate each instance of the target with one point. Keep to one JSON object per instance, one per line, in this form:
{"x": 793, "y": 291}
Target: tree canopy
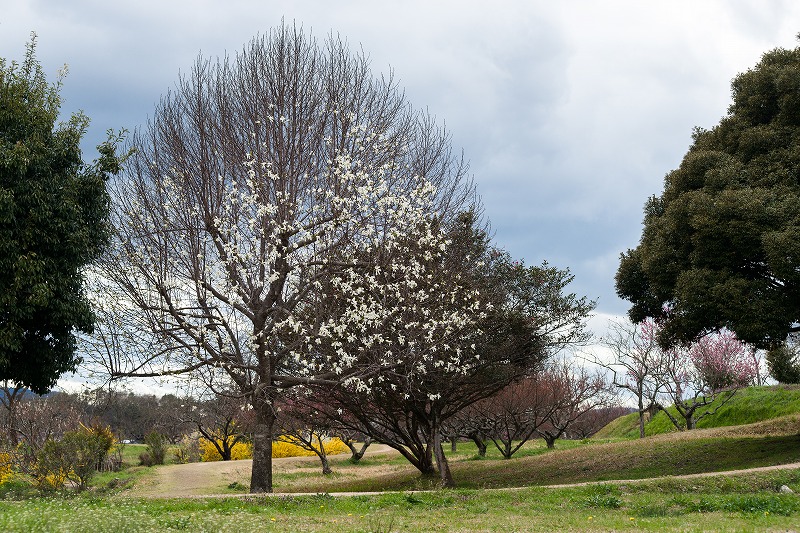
{"x": 262, "y": 181}
{"x": 720, "y": 246}
{"x": 53, "y": 222}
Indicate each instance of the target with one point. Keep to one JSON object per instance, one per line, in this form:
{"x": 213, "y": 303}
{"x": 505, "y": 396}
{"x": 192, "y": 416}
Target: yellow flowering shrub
{"x": 280, "y": 448}
{"x": 5, "y": 467}
{"x": 209, "y": 452}
{"x": 286, "y": 446}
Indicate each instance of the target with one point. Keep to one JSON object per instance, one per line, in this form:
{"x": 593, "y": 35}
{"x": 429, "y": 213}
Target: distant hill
{"x": 26, "y": 393}
{"x": 753, "y": 404}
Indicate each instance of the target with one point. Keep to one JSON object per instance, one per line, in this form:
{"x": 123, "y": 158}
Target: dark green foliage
{"x": 720, "y": 247}
{"x": 784, "y": 364}
{"x": 157, "y": 445}
{"x": 53, "y": 222}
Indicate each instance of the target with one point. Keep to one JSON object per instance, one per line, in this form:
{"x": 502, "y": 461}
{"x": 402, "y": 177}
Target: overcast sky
{"x": 570, "y": 112}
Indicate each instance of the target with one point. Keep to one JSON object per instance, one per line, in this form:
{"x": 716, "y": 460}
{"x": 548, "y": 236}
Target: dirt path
{"x": 684, "y": 476}
{"x": 203, "y": 479}
{"x": 207, "y": 479}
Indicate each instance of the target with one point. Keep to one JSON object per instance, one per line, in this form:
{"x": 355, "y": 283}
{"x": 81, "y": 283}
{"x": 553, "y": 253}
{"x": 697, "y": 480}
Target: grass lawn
{"x": 710, "y": 504}
{"x": 747, "y": 406}
{"x": 493, "y": 494}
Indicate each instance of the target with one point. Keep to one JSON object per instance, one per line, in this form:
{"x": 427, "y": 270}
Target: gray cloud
{"x": 570, "y": 113}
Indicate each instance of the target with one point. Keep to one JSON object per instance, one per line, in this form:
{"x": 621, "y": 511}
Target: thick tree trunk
{"x": 441, "y": 461}
{"x": 453, "y": 444}
{"x": 506, "y": 450}
{"x": 479, "y": 442}
{"x": 323, "y": 457}
{"x": 425, "y": 464}
{"x": 261, "y": 474}
{"x": 326, "y": 466}
{"x": 357, "y": 454}
{"x": 550, "y": 441}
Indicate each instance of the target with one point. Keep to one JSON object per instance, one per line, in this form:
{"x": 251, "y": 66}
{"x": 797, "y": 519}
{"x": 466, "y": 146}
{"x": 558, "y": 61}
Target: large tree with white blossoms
{"x": 262, "y": 181}
{"x": 518, "y": 317}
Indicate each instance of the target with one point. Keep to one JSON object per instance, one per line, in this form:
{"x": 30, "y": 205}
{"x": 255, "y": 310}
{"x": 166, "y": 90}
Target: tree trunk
{"x": 479, "y": 442}
{"x": 426, "y": 462}
{"x": 506, "y": 451}
{"x": 551, "y": 441}
{"x": 453, "y": 444}
{"x": 261, "y": 474}
{"x": 441, "y": 461}
{"x": 641, "y": 418}
{"x": 323, "y": 457}
{"x": 357, "y": 454}
{"x": 11, "y": 403}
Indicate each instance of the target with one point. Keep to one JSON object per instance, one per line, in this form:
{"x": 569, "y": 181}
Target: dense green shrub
{"x": 157, "y": 445}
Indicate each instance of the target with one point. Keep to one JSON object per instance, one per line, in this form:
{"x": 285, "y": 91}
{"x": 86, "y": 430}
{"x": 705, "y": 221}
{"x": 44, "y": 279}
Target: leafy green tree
{"x": 784, "y": 361}
{"x": 720, "y": 247}
{"x": 75, "y": 457}
{"x": 53, "y": 222}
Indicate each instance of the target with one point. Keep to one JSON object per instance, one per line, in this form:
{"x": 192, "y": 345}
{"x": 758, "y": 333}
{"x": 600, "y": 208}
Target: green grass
{"x": 750, "y": 405}
{"x": 702, "y": 505}
{"x": 649, "y": 497}
{"x": 654, "y": 457}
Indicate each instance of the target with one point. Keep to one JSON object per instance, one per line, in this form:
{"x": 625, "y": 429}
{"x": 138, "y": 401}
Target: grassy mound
{"x": 750, "y": 405}
{"x": 772, "y": 442}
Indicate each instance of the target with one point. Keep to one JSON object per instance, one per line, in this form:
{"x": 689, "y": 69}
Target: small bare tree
{"x": 512, "y": 416}
{"x": 573, "y": 392}
{"x": 223, "y": 420}
{"x": 636, "y": 364}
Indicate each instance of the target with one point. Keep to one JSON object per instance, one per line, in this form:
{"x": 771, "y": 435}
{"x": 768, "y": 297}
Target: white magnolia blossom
{"x": 228, "y": 274}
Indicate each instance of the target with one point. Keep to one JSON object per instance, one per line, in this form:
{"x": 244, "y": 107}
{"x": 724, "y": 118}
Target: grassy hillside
{"x": 747, "y": 501}
{"x": 761, "y": 444}
{"x": 750, "y": 405}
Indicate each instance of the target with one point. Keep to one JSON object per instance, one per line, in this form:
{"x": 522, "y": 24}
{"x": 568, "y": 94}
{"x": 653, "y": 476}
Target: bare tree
{"x": 302, "y": 422}
{"x": 41, "y": 419}
{"x": 223, "y": 420}
{"x": 10, "y": 398}
{"x": 510, "y": 418}
{"x": 636, "y": 364}
{"x": 546, "y": 403}
{"x": 596, "y": 419}
{"x": 261, "y": 179}
{"x": 573, "y": 391}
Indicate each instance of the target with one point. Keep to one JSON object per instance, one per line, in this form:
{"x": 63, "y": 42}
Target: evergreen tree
{"x": 720, "y": 247}
{"x": 53, "y": 222}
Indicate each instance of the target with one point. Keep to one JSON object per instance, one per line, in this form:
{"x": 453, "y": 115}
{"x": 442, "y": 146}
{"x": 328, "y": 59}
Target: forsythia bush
{"x": 5, "y": 467}
{"x": 284, "y": 448}
{"x": 280, "y": 448}
{"x": 240, "y": 450}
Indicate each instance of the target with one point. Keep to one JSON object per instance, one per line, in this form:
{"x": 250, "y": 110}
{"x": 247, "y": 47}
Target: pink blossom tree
{"x": 705, "y": 375}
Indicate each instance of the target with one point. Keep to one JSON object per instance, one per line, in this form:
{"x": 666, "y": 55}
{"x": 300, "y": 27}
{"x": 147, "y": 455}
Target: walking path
{"x": 200, "y": 480}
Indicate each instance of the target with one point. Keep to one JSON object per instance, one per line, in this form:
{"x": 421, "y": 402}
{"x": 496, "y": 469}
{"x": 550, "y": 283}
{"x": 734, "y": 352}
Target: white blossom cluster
{"x": 273, "y": 276}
